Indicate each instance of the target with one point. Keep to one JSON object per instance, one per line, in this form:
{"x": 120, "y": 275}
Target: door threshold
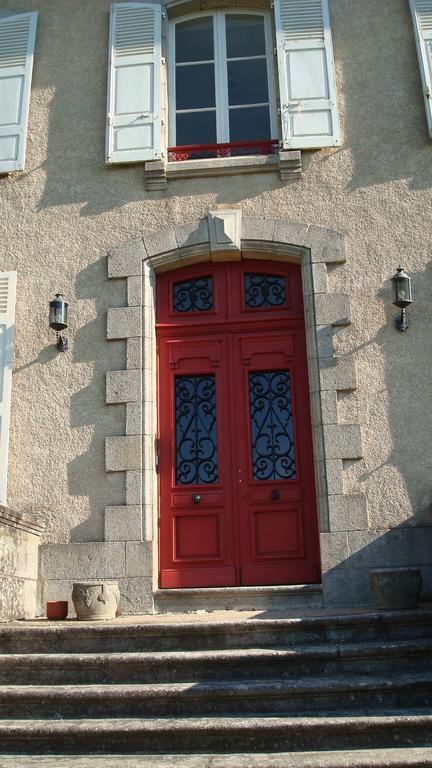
{"x": 278, "y": 597}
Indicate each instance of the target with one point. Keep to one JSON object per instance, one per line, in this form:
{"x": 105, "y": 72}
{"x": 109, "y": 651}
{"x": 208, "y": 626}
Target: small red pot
{"x": 57, "y": 610}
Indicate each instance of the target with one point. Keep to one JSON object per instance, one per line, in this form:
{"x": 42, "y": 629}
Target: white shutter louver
{"x": 17, "y": 39}
{"x": 306, "y": 74}
{"x": 7, "y": 315}
{"x": 134, "y": 83}
{"x": 422, "y": 18}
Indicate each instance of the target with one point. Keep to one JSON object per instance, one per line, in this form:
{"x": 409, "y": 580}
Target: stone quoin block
{"x": 124, "y": 322}
{"x": 332, "y": 309}
{"x": 342, "y": 441}
{"x": 82, "y": 561}
{"x": 122, "y": 453}
{"x": 134, "y": 419}
{"x": 134, "y": 353}
{"x": 341, "y": 375}
{"x": 123, "y": 386}
{"x": 134, "y": 487}
{"x": 138, "y": 558}
{"x": 290, "y": 232}
{"x": 348, "y": 513}
{"x": 134, "y": 291}
{"x": 325, "y": 245}
{"x": 160, "y": 242}
{"x": 126, "y": 259}
{"x": 123, "y": 523}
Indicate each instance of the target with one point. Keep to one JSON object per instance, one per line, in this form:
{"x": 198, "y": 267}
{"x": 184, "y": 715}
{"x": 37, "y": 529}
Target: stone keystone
{"x": 225, "y": 235}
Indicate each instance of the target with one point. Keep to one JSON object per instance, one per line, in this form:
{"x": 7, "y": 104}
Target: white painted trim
{"x": 7, "y": 320}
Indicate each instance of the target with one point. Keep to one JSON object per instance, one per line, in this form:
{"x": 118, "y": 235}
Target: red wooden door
{"x": 237, "y": 498}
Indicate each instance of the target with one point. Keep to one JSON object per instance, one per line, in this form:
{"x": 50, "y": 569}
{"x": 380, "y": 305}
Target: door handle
{"x": 275, "y": 495}
{"x": 196, "y": 498}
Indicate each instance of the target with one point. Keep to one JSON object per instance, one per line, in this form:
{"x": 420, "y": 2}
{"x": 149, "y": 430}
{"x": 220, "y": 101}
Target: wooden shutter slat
{"x": 134, "y": 83}
{"x": 306, "y": 74}
{"x": 17, "y": 39}
{"x": 7, "y": 315}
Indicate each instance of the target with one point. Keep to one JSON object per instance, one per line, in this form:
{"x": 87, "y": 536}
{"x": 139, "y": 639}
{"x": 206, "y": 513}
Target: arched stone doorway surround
{"x": 221, "y": 236}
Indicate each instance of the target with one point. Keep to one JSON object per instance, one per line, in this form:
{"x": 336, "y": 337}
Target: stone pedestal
{"x": 396, "y": 588}
{"x": 96, "y": 600}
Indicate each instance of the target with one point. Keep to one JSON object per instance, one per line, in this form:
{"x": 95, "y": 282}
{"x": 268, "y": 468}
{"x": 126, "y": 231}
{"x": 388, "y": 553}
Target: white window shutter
{"x": 422, "y": 17}
{"x": 7, "y": 316}
{"x": 17, "y": 39}
{"x": 134, "y": 83}
{"x": 307, "y": 85}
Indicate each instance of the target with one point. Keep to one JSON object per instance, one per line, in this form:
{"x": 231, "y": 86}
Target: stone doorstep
{"x": 238, "y": 598}
{"x": 367, "y": 758}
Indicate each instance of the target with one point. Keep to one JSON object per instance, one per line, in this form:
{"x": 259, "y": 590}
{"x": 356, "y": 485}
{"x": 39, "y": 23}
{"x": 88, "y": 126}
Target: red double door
{"x": 236, "y": 494}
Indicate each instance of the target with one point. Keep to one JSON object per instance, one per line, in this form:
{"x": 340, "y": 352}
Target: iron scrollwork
{"x": 271, "y": 424}
{"x": 264, "y": 290}
{"x": 195, "y": 420}
{"x": 194, "y": 295}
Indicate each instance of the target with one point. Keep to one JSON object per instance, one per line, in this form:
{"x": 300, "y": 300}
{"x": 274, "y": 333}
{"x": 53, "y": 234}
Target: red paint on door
{"x": 236, "y": 497}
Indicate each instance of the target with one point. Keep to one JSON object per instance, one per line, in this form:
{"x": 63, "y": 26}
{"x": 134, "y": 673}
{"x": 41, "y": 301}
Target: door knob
{"x": 196, "y": 499}
{"x": 275, "y": 495}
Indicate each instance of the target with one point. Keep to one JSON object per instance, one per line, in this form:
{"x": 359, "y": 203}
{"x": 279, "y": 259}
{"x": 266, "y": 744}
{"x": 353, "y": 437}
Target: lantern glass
{"x": 58, "y": 313}
{"x": 402, "y": 289}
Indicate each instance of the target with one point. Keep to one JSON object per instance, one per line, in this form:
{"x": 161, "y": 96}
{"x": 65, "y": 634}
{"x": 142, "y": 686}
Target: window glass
{"x": 247, "y": 82}
{"x": 194, "y": 40}
{"x": 249, "y": 124}
{"x": 195, "y": 86}
{"x": 196, "y": 128}
{"x": 244, "y": 36}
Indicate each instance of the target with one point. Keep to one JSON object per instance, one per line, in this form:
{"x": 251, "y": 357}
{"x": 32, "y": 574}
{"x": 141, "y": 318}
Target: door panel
{"x": 196, "y": 540}
{"x": 237, "y": 497}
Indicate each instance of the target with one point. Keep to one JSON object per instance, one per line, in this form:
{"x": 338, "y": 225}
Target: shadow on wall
{"x": 86, "y": 473}
{"x": 407, "y": 360}
{"x": 385, "y": 121}
{"x": 348, "y": 584}
{"x": 75, "y": 164}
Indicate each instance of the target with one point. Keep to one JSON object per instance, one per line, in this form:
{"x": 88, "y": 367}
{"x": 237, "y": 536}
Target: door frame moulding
{"x": 226, "y": 235}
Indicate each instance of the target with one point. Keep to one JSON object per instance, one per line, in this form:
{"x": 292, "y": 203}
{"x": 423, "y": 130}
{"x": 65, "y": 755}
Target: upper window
{"x": 221, "y": 84}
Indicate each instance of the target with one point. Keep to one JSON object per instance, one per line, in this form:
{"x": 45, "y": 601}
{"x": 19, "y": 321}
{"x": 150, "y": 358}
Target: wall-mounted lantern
{"x": 402, "y": 297}
{"x": 58, "y": 315}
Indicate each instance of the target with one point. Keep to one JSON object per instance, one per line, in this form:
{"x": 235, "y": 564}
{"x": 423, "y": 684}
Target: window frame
{"x": 220, "y": 60}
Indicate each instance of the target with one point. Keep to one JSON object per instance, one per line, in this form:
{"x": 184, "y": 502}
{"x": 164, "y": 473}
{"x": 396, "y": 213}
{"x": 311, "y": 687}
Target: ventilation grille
{"x": 134, "y": 32}
{"x": 424, "y": 10}
{"x": 4, "y": 281}
{"x": 302, "y": 19}
{"x": 14, "y": 36}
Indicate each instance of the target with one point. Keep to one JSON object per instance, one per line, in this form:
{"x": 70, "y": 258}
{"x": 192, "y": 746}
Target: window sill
{"x": 287, "y": 162}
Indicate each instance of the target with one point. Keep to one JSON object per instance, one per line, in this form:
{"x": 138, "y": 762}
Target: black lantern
{"x": 58, "y": 314}
{"x": 402, "y": 296}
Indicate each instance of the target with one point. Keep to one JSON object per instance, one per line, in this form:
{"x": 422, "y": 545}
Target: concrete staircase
{"x": 237, "y": 690}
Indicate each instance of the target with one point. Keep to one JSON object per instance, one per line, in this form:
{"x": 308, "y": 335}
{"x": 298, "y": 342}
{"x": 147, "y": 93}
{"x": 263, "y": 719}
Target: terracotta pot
{"x": 57, "y": 610}
{"x": 96, "y": 600}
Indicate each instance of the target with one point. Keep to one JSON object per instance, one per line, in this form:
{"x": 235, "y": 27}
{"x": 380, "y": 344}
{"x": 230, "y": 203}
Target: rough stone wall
{"x": 19, "y": 544}
{"x": 67, "y": 210}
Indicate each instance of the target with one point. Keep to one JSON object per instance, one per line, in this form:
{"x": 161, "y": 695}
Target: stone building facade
{"x": 347, "y": 205}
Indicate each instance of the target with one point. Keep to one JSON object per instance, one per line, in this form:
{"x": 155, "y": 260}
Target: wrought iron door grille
{"x": 194, "y": 295}
{"x": 271, "y": 425}
{"x": 263, "y": 290}
{"x": 195, "y": 430}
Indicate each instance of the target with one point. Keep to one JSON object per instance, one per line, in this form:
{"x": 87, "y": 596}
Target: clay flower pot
{"x": 57, "y": 610}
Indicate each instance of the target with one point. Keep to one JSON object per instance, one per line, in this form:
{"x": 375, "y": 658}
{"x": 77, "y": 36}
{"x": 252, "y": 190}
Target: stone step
{"x": 216, "y": 735}
{"x": 417, "y": 757}
{"x": 227, "y": 697}
{"x": 126, "y": 635}
{"x": 172, "y": 666}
